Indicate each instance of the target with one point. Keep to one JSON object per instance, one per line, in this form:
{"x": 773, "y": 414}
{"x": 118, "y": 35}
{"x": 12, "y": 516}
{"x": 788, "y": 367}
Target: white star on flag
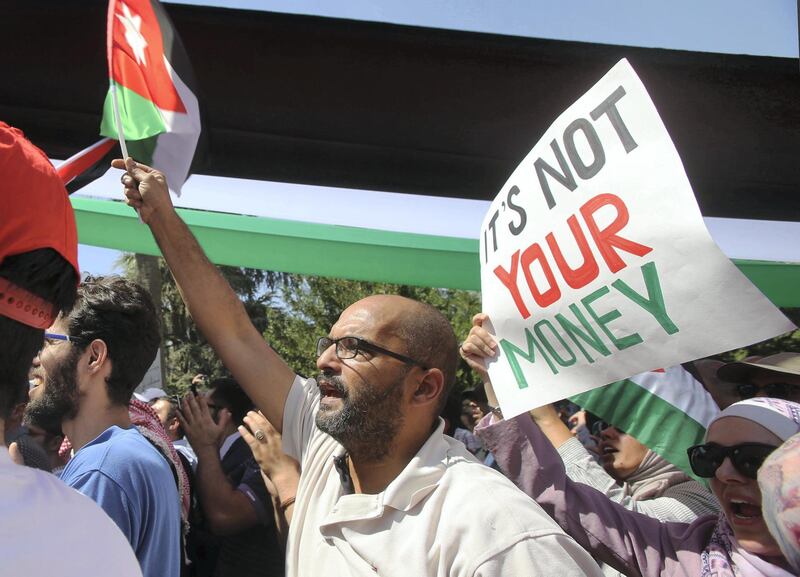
{"x": 133, "y": 35}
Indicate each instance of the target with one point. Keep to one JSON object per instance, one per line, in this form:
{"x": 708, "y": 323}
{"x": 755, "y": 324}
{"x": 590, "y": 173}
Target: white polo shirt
{"x": 445, "y": 515}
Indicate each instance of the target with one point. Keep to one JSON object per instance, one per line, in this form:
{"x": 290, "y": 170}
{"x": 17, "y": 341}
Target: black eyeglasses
{"x": 349, "y": 347}
{"x": 600, "y": 426}
{"x": 745, "y": 457}
{"x": 783, "y": 391}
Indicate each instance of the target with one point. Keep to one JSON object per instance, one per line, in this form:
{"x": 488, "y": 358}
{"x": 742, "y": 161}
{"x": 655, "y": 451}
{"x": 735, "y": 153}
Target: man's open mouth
{"x": 326, "y": 389}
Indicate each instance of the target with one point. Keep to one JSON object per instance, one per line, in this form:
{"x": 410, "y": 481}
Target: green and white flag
{"x": 151, "y": 76}
{"x": 668, "y": 411}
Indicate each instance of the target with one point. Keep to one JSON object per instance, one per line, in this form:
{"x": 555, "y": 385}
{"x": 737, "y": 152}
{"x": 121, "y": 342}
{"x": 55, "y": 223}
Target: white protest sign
{"x": 595, "y": 262}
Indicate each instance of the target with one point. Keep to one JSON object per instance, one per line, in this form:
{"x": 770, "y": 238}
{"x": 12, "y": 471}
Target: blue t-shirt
{"x": 127, "y": 476}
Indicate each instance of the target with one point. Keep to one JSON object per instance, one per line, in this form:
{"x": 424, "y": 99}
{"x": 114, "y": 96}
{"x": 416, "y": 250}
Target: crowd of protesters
{"x": 373, "y": 467}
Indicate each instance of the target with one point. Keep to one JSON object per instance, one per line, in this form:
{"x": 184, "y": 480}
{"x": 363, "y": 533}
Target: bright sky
{"x": 731, "y": 26}
{"x": 765, "y": 28}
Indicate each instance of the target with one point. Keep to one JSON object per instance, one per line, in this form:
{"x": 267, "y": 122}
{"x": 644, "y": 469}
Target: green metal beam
{"x": 344, "y": 252}
{"x": 298, "y": 247}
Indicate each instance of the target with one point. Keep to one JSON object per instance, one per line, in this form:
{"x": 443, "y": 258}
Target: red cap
{"x": 35, "y": 211}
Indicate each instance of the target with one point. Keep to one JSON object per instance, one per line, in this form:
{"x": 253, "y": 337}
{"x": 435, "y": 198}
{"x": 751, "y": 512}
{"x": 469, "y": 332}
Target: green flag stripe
{"x": 306, "y": 248}
{"x": 143, "y": 150}
{"x": 777, "y": 280}
{"x": 427, "y": 260}
{"x": 141, "y": 118}
{"x": 653, "y": 421}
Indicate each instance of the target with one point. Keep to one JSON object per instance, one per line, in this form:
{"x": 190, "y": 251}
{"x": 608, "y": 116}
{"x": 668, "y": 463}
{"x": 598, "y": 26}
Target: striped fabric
{"x": 666, "y": 410}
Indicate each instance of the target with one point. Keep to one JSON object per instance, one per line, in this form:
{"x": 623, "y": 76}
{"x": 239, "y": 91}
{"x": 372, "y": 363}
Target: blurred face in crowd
{"x": 362, "y": 398}
{"x": 738, "y": 495}
{"x": 167, "y": 415}
{"x": 723, "y": 392}
{"x": 768, "y": 384}
{"x": 162, "y": 408}
{"x": 477, "y": 410}
{"x": 467, "y": 419}
{"x": 620, "y": 453}
{"x": 54, "y": 396}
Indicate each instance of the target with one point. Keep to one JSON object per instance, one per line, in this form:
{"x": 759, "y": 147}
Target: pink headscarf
{"x": 779, "y": 480}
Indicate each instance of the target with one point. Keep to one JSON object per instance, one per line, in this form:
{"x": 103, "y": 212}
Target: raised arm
{"x": 216, "y": 309}
{"x": 630, "y": 542}
{"x": 477, "y": 348}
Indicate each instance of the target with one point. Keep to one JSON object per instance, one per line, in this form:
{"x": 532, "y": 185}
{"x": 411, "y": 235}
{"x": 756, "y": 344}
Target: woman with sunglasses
{"x": 628, "y": 472}
{"x": 736, "y": 543}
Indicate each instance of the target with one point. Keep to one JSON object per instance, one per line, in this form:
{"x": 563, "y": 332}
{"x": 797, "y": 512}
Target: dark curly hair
{"x": 121, "y": 314}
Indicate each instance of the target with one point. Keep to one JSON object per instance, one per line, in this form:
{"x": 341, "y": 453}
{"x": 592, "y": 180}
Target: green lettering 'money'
{"x": 603, "y": 320}
{"x": 513, "y": 352}
{"x": 654, "y": 303}
{"x": 588, "y": 335}
{"x": 549, "y": 346}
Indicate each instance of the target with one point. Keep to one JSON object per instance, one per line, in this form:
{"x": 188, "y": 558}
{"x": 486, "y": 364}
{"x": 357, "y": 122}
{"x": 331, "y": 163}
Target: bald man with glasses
{"x": 382, "y": 490}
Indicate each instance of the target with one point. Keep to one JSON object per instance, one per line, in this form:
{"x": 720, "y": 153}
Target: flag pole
{"x": 120, "y": 131}
{"x": 82, "y": 161}
{"x": 113, "y": 86}
{"x": 118, "y": 119}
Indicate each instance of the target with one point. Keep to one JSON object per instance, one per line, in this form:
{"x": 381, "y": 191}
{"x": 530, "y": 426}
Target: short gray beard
{"x": 366, "y": 425}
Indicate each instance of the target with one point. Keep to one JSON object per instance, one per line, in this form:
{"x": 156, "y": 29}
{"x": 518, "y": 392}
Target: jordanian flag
{"x": 666, "y": 410}
{"x": 154, "y": 85}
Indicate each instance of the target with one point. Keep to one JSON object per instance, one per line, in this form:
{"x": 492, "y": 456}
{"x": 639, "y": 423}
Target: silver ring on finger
{"x": 259, "y": 434}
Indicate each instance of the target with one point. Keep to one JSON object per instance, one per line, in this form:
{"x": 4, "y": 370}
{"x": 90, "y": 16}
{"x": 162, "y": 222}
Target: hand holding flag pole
{"x": 145, "y": 189}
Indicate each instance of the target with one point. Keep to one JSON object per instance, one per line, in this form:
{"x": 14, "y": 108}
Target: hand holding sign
{"x": 596, "y": 264}
{"x": 477, "y": 348}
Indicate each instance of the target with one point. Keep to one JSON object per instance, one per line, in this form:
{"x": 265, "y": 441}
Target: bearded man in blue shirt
{"x": 93, "y": 358}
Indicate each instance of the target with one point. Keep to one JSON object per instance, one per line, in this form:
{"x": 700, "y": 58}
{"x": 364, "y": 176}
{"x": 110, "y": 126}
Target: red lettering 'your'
{"x": 608, "y": 243}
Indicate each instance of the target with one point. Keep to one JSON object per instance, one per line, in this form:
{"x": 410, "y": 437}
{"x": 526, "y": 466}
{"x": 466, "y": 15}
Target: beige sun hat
{"x": 781, "y": 363}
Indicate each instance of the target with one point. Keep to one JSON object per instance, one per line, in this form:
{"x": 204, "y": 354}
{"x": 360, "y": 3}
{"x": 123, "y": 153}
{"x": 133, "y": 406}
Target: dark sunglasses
{"x": 600, "y": 426}
{"x": 783, "y": 391}
{"x": 349, "y": 347}
{"x": 745, "y": 457}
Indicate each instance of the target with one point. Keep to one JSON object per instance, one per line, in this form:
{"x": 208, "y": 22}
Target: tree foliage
{"x": 309, "y": 306}
{"x": 787, "y": 342}
{"x": 291, "y": 311}
{"x": 185, "y": 351}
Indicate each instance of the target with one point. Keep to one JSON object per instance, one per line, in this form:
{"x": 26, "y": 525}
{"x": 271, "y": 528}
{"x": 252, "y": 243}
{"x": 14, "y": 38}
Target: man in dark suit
{"x": 235, "y": 532}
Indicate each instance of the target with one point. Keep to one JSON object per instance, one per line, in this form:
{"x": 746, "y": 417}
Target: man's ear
{"x": 429, "y": 388}
{"x": 174, "y": 426}
{"x": 17, "y": 413}
{"x": 97, "y": 355}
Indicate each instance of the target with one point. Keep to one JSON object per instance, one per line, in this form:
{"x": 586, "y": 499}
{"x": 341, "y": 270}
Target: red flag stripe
{"x": 83, "y": 160}
{"x": 148, "y": 76}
